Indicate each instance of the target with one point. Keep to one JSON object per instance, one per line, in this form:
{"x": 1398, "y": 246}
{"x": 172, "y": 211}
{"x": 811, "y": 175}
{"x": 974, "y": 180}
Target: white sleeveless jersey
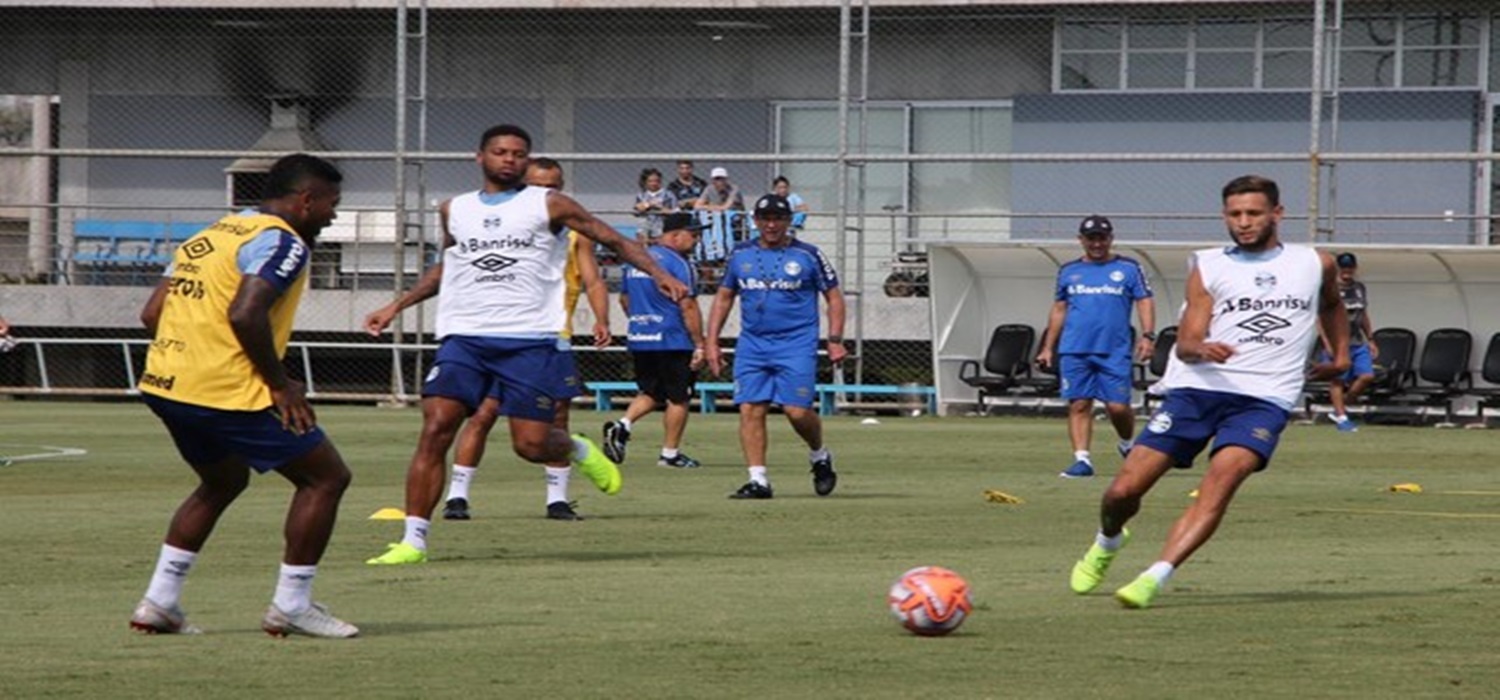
{"x": 1267, "y": 310}
{"x": 503, "y": 275}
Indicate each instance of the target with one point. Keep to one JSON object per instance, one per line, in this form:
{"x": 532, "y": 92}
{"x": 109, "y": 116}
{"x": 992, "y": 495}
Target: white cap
{"x": 718, "y": 172}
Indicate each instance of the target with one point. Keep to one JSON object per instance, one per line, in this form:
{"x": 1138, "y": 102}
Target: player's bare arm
{"x": 836, "y": 350}
{"x": 1334, "y": 322}
{"x": 723, "y": 302}
{"x": 250, "y": 317}
{"x": 1192, "y": 331}
{"x": 567, "y": 213}
{"x": 1145, "y": 310}
{"x": 150, "y": 313}
{"x": 692, "y": 320}
{"x": 1045, "y": 356}
{"x": 596, "y": 292}
{"x": 426, "y": 288}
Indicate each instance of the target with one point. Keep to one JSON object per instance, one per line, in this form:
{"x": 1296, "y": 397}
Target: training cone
{"x": 389, "y": 514}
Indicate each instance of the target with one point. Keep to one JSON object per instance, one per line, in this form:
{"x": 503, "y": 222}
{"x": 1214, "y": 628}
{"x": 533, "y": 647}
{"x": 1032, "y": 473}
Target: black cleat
{"x": 615, "y": 437}
{"x": 456, "y": 509}
{"x": 681, "y": 461}
{"x": 824, "y": 477}
{"x": 752, "y": 490}
{"x": 562, "y": 510}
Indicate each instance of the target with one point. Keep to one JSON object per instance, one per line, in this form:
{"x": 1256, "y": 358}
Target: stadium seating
{"x": 1443, "y": 373}
{"x": 1489, "y": 371}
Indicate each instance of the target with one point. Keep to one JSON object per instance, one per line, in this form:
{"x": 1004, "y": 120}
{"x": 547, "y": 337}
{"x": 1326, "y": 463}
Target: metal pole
{"x": 398, "y": 248}
{"x": 1315, "y": 116}
{"x": 418, "y": 371}
{"x": 841, "y": 175}
{"x": 864, "y": 147}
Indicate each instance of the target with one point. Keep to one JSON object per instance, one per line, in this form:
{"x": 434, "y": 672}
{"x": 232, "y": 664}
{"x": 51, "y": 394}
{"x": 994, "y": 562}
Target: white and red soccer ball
{"x": 930, "y": 600}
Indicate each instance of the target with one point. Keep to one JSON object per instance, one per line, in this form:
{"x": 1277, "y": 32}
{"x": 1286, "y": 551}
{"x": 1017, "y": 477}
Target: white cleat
{"x": 312, "y": 622}
{"x": 150, "y": 618}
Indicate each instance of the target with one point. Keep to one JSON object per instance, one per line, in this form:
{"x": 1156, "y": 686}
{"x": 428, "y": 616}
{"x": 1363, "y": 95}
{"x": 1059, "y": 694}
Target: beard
{"x": 1261, "y": 240}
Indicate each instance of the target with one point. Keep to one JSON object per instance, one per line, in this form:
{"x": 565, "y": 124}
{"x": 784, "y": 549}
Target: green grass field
{"x": 1320, "y": 584}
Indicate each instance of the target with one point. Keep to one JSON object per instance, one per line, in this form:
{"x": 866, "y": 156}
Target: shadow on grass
{"x": 1208, "y": 600}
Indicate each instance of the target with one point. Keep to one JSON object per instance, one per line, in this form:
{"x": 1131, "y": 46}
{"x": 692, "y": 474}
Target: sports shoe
{"x": 562, "y": 510}
{"x": 150, "y": 618}
{"x": 399, "y": 553}
{"x": 752, "y": 490}
{"x": 1090, "y": 570}
{"x": 1138, "y": 593}
{"x": 1123, "y": 447}
{"x": 615, "y": 437}
{"x": 456, "y": 509}
{"x": 599, "y": 468}
{"x": 681, "y": 461}
{"x": 315, "y": 621}
{"x": 824, "y": 477}
{"x": 1347, "y": 426}
{"x": 1079, "y": 470}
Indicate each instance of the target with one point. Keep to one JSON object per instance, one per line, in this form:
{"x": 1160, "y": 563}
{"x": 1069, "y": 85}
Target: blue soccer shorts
{"x": 1188, "y": 418}
{"x": 783, "y": 373}
{"x": 1102, "y": 377}
{"x": 1360, "y": 363}
{"x": 207, "y": 436}
{"x": 528, "y": 377}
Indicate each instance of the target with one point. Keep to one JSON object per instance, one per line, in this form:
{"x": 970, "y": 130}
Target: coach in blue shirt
{"x": 778, "y": 281}
{"x": 1088, "y": 337}
{"x": 666, "y": 343}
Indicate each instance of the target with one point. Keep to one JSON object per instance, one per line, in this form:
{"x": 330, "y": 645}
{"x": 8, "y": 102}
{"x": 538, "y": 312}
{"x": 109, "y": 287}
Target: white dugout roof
{"x": 976, "y": 287}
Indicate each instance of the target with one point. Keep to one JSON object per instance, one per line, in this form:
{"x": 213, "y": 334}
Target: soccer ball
{"x": 930, "y": 600}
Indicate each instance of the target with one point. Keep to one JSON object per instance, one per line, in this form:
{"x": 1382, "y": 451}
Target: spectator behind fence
{"x": 721, "y": 194}
{"x": 652, "y": 201}
{"x": 687, "y": 186}
{"x": 782, "y": 187}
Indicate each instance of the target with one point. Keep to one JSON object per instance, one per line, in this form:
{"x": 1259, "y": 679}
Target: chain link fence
{"x": 897, "y": 125}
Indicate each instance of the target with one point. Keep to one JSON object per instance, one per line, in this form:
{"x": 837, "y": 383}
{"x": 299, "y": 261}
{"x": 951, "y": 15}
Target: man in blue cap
{"x": 778, "y": 280}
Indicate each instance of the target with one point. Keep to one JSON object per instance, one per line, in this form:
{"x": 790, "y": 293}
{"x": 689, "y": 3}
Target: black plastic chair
{"x": 1149, "y": 373}
{"x": 1006, "y": 361}
{"x": 1489, "y": 371}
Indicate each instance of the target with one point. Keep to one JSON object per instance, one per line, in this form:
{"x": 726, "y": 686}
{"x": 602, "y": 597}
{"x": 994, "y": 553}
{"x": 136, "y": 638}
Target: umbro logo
{"x": 197, "y": 248}
{"x": 493, "y": 262}
{"x": 1263, "y": 323}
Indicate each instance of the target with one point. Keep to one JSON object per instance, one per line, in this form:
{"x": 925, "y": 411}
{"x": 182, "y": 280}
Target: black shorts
{"x": 665, "y": 375}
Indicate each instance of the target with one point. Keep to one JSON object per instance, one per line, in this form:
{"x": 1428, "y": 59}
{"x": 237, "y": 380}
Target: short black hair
{"x": 1252, "y": 184}
{"x": 780, "y": 179}
{"x": 545, "y": 163}
{"x": 504, "y": 130}
{"x": 289, "y": 173}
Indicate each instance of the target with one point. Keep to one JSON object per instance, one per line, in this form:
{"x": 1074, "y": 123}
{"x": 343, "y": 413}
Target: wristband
{"x": 836, "y": 339}
{"x": 1150, "y": 335}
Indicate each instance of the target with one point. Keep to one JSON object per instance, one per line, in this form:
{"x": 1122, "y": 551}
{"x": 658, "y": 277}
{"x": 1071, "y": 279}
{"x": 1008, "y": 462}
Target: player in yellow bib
{"x": 220, "y": 321}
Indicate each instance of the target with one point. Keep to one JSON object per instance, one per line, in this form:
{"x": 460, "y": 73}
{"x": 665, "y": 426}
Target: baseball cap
{"x": 1096, "y": 226}
{"x": 718, "y": 172}
{"x": 681, "y": 221}
{"x": 1347, "y": 260}
{"x": 773, "y": 205}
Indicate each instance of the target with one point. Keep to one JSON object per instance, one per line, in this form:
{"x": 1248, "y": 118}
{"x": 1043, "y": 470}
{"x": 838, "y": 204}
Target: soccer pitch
{"x": 1321, "y": 583}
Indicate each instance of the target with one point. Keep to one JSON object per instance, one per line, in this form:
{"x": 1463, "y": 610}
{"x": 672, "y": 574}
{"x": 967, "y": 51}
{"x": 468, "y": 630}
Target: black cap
{"x": 1096, "y": 226}
{"x": 773, "y": 205}
{"x": 681, "y": 221}
{"x": 1347, "y": 260}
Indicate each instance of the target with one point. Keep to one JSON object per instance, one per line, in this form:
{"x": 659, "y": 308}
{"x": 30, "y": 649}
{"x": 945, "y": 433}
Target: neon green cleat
{"x": 1138, "y": 593}
{"x": 597, "y": 467}
{"x": 1089, "y": 572}
{"x": 399, "y": 553}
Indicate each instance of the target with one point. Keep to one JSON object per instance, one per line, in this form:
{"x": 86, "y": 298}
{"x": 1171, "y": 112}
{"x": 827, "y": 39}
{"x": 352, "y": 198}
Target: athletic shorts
{"x": 1188, "y": 418}
{"x": 1102, "y": 377}
{"x": 206, "y": 436}
{"x": 1360, "y": 363}
{"x": 665, "y": 375}
{"x": 783, "y": 373}
{"x": 528, "y": 377}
